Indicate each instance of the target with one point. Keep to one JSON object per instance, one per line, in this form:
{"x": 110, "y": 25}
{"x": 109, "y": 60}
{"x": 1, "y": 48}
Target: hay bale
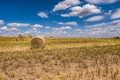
{"x": 20, "y": 37}
{"x": 38, "y": 42}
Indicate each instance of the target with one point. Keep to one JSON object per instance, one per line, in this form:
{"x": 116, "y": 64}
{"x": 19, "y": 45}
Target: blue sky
{"x": 62, "y": 18}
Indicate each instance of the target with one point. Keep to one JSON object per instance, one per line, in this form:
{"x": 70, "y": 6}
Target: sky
{"x": 60, "y": 18}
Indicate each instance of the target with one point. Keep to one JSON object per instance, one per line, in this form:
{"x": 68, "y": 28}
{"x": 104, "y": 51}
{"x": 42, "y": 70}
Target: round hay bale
{"x": 38, "y": 42}
{"x": 20, "y": 37}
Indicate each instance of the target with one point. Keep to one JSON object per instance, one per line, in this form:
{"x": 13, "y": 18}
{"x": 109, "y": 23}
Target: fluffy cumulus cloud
{"x": 101, "y": 1}
{"x": 110, "y": 29}
{"x": 61, "y": 31}
{"x": 1, "y": 22}
{"x": 36, "y": 29}
{"x": 113, "y": 24}
{"x": 77, "y": 30}
{"x": 72, "y": 23}
{"x": 33, "y": 31}
{"x": 87, "y": 9}
{"x": 42, "y": 15}
{"x": 62, "y": 28}
{"x": 116, "y": 14}
{"x": 18, "y": 24}
{"x": 66, "y": 4}
{"x": 66, "y": 28}
{"x": 14, "y": 29}
{"x": 94, "y": 18}
{"x": 96, "y": 25}
{"x": 47, "y": 27}
{"x": 37, "y": 26}
{"x": 8, "y": 31}
{"x": 4, "y": 28}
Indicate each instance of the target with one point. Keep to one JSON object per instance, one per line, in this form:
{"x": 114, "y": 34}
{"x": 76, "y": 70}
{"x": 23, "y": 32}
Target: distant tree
{"x": 118, "y": 37}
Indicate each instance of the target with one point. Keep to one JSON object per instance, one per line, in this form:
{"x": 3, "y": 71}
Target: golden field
{"x": 61, "y": 59}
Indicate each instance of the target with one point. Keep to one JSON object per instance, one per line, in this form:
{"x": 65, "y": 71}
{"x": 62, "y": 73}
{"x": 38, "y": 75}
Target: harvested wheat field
{"x": 61, "y": 59}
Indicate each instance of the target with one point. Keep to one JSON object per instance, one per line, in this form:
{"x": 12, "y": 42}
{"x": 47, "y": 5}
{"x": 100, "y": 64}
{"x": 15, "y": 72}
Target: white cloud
{"x": 66, "y": 28}
{"x": 33, "y": 31}
{"x": 66, "y": 4}
{"x": 116, "y": 14}
{"x": 109, "y": 29}
{"x": 18, "y": 24}
{"x": 72, "y": 23}
{"x": 4, "y": 28}
{"x": 6, "y": 31}
{"x": 78, "y": 30}
{"x": 62, "y": 28}
{"x": 108, "y": 13}
{"x": 37, "y": 26}
{"x": 87, "y": 9}
{"x": 62, "y": 31}
{"x": 9, "y": 30}
{"x": 1, "y": 22}
{"x": 96, "y": 25}
{"x": 95, "y": 18}
{"x": 101, "y": 1}
{"x": 14, "y": 29}
{"x": 47, "y": 27}
{"x": 42, "y": 15}
{"x": 115, "y": 23}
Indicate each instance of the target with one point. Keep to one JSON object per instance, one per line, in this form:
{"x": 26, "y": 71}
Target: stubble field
{"x": 61, "y": 59}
